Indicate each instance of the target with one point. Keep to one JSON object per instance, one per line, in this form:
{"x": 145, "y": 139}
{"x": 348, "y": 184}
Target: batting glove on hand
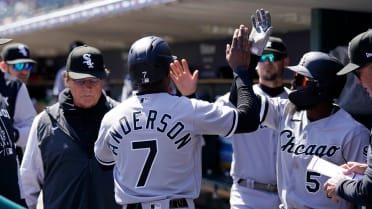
{"x": 260, "y": 32}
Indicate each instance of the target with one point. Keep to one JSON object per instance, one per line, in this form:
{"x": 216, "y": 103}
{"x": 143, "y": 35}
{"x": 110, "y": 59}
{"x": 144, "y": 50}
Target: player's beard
{"x": 305, "y": 98}
{"x": 303, "y": 107}
{"x": 270, "y": 77}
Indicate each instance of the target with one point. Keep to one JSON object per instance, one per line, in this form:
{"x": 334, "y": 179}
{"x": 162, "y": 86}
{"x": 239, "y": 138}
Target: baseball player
{"x": 310, "y": 124}
{"x": 254, "y": 185}
{"x": 155, "y": 139}
{"x": 15, "y": 93}
{"x": 9, "y": 181}
{"x": 17, "y": 61}
{"x": 356, "y": 191}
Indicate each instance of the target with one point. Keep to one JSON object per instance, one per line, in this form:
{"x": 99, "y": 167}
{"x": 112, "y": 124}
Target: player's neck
{"x": 273, "y": 92}
{"x": 271, "y": 84}
{"x": 156, "y": 87}
{"x": 321, "y": 110}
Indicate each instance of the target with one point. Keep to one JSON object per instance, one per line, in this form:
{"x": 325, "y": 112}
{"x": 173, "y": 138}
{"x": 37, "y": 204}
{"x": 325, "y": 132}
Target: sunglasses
{"x": 308, "y": 81}
{"x": 272, "y": 57}
{"x": 82, "y": 82}
{"x": 21, "y": 66}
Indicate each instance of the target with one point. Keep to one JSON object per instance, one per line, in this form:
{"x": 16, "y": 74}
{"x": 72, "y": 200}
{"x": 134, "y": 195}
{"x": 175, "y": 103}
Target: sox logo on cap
{"x": 88, "y": 61}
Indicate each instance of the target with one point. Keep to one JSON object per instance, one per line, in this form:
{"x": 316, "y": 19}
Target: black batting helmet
{"x": 323, "y": 83}
{"x": 149, "y": 59}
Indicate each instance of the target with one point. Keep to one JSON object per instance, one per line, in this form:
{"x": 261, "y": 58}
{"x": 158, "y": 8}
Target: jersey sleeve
{"x": 356, "y": 148}
{"x": 24, "y": 114}
{"x": 31, "y": 171}
{"x": 214, "y": 118}
{"x": 224, "y": 100}
{"x": 102, "y": 150}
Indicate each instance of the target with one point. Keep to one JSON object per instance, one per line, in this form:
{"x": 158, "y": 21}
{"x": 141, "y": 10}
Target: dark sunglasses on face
{"x": 309, "y": 81}
{"x": 272, "y": 57}
{"x": 82, "y": 82}
{"x": 21, "y": 66}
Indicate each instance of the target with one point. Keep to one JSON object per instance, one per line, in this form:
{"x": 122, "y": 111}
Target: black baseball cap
{"x": 276, "y": 44}
{"x": 85, "y": 62}
{"x": 14, "y": 53}
{"x": 360, "y": 52}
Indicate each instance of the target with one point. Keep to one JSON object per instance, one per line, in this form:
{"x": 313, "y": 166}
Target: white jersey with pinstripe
{"x": 155, "y": 141}
{"x": 250, "y": 152}
{"x": 337, "y": 138}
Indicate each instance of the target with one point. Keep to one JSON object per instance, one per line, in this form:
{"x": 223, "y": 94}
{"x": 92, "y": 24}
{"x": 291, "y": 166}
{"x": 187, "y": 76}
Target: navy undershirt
{"x": 273, "y": 92}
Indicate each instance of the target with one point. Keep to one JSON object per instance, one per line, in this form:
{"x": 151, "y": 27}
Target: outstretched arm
{"x": 242, "y": 56}
{"x": 238, "y": 56}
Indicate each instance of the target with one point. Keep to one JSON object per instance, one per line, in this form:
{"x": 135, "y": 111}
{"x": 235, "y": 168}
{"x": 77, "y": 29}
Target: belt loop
{"x": 250, "y": 182}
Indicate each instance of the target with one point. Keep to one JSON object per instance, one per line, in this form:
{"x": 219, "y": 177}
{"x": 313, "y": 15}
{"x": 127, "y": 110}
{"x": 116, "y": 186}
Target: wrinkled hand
{"x": 330, "y": 187}
{"x": 354, "y": 167}
{"x": 238, "y": 53}
{"x": 185, "y": 82}
{"x": 261, "y": 31}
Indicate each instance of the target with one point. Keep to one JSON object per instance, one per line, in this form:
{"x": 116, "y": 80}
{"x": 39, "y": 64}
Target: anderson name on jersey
{"x": 146, "y": 120}
{"x": 159, "y": 137}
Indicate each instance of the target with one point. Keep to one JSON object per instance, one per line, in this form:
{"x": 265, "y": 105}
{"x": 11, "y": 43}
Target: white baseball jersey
{"x": 155, "y": 141}
{"x": 337, "y": 138}
{"x": 254, "y": 158}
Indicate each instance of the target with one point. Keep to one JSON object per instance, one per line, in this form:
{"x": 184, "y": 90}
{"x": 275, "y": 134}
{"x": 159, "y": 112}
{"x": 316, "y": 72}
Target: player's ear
{"x": 286, "y": 61}
{"x": 3, "y": 66}
{"x": 65, "y": 78}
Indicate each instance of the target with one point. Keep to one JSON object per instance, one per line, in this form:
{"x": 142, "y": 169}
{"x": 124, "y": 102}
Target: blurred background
{"x": 196, "y": 29}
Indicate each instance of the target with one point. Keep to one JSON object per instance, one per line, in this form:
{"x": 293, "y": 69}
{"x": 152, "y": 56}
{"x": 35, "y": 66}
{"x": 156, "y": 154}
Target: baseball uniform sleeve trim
{"x": 233, "y": 127}
{"x": 105, "y": 162}
{"x": 264, "y": 108}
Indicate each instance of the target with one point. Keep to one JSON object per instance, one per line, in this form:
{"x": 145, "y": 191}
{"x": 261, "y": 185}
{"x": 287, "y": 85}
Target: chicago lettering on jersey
{"x": 4, "y": 113}
{"x": 138, "y": 122}
{"x": 301, "y": 149}
{"x": 6, "y": 143}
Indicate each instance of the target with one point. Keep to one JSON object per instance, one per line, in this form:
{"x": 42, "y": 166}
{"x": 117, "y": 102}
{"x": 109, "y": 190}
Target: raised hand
{"x": 185, "y": 82}
{"x": 238, "y": 53}
{"x": 261, "y": 31}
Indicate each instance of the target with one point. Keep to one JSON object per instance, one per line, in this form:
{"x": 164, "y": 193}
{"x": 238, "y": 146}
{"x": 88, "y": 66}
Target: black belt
{"x": 259, "y": 186}
{"x": 175, "y": 203}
